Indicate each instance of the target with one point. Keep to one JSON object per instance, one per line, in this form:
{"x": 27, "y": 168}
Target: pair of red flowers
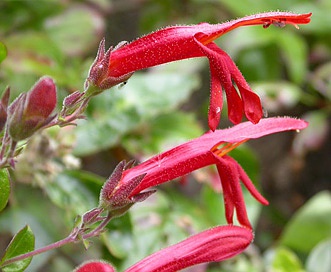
{"x": 126, "y": 184}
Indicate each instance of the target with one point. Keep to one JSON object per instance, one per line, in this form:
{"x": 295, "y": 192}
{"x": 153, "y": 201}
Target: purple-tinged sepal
{"x": 98, "y": 78}
{"x": 115, "y": 195}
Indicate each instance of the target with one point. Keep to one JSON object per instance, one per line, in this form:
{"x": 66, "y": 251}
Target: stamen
{"x": 279, "y": 23}
{"x": 223, "y": 148}
{"x": 120, "y": 44}
{"x": 266, "y": 24}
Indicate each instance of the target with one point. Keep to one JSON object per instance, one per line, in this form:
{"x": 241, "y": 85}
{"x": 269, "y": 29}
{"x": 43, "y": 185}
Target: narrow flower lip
{"x": 212, "y": 245}
{"x": 198, "y": 152}
{"x": 153, "y": 49}
{"x": 270, "y": 17}
{"x": 224, "y": 73}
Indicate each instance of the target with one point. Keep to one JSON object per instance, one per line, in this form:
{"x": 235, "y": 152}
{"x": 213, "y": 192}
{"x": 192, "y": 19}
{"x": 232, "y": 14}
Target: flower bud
{"x": 32, "y": 110}
{"x": 115, "y": 196}
{"x": 72, "y": 99}
{"x": 97, "y": 266}
{"x": 3, "y": 108}
{"x": 71, "y": 103}
{"x": 98, "y": 78}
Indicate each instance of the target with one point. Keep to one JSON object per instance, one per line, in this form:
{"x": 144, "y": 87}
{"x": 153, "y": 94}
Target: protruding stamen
{"x": 223, "y": 148}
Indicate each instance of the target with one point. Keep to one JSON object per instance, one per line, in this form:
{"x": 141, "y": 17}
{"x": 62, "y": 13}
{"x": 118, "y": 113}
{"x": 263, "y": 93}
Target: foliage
{"x": 61, "y": 171}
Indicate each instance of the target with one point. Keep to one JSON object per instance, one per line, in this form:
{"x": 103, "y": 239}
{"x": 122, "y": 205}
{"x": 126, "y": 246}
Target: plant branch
{"x": 72, "y": 237}
{"x": 55, "y": 245}
{"x": 99, "y": 228}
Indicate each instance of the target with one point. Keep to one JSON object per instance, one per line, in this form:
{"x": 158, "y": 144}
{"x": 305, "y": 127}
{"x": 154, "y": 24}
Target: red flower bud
{"x": 3, "y": 108}
{"x": 95, "y": 266}
{"x": 71, "y": 100}
{"x": 32, "y": 110}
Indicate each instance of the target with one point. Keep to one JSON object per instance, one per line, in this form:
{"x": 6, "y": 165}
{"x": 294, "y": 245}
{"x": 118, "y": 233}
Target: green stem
{"x": 4, "y": 144}
{"x": 72, "y": 237}
{"x": 57, "y": 244}
{"x": 99, "y": 228}
{"x": 10, "y": 154}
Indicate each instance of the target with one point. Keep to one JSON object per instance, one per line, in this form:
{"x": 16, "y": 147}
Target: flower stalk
{"x": 81, "y": 232}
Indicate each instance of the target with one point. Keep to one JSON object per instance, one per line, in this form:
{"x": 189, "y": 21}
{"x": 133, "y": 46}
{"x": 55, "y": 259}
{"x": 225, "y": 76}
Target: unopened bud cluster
{"x": 32, "y": 110}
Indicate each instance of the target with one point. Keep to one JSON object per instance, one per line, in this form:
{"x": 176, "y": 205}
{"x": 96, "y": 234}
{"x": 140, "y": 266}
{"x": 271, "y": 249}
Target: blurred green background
{"x": 61, "y": 171}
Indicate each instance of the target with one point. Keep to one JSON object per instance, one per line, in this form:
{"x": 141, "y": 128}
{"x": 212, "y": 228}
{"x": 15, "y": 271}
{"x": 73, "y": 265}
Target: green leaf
{"x": 263, "y": 54}
{"x": 118, "y": 238}
{"x": 32, "y": 47}
{"x": 141, "y": 100}
{"x": 278, "y": 95}
{"x": 27, "y": 15}
{"x": 282, "y": 259}
{"x": 213, "y": 205}
{"x": 164, "y": 131}
{"x": 321, "y": 21}
{"x": 74, "y": 31}
{"x": 295, "y": 54}
{"x": 256, "y": 54}
{"x": 310, "y": 225}
{"x": 249, "y": 7}
{"x": 321, "y": 77}
{"x": 21, "y": 243}
{"x": 252, "y": 37}
{"x": 319, "y": 259}
{"x": 34, "y": 53}
{"x": 37, "y": 211}
{"x": 3, "y": 52}
{"x": 246, "y": 157}
{"x": 4, "y": 188}
{"x": 70, "y": 192}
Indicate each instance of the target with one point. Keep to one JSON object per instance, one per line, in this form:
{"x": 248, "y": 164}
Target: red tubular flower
{"x": 213, "y": 245}
{"x": 182, "y": 42}
{"x": 211, "y": 148}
